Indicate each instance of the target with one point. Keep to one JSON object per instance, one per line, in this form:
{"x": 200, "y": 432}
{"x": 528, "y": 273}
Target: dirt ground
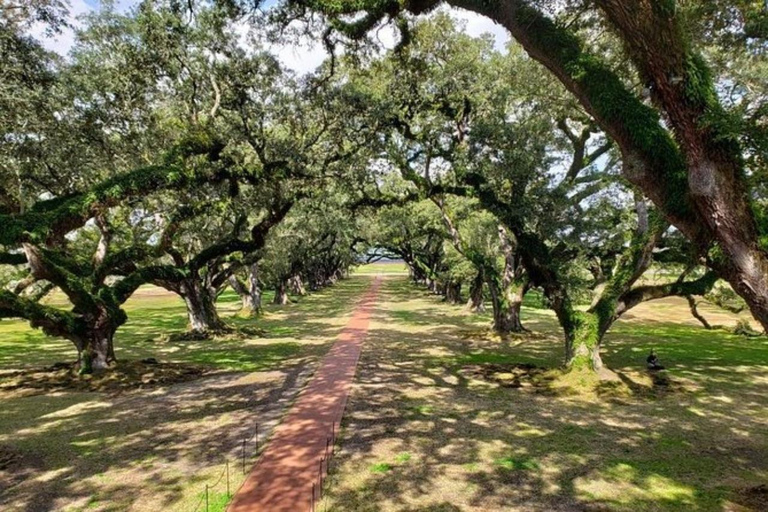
{"x": 137, "y": 450}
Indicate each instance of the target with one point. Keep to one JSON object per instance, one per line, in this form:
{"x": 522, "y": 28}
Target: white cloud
{"x": 62, "y": 43}
{"x": 302, "y": 57}
{"x": 478, "y": 25}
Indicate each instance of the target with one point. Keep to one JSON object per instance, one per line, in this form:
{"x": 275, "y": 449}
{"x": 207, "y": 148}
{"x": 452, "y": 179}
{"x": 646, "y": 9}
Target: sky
{"x": 302, "y": 57}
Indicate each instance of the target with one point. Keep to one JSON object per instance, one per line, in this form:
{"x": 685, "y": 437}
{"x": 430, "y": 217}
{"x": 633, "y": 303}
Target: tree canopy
{"x": 169, "y": 148}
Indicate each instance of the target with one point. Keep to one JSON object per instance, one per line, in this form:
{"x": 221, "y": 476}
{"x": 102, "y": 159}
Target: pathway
{"x": 282, "y": 479}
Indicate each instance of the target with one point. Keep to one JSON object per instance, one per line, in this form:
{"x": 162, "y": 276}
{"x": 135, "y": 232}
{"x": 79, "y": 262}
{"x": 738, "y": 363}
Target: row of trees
{"x": 170, "y": 149}
{"x": 523, "y": 187}
{"x": 164, "y": 152}
{"x": 656, "y": 79}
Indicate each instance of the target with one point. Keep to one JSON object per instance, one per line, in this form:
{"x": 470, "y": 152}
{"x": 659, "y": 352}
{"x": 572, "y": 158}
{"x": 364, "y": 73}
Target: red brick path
{"x": 282, "y": 480}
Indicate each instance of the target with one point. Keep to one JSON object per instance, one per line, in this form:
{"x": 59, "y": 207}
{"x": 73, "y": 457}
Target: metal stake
{"x": 244, "y": 441}
{"x": 312, "y": 500}
{"x": 227, "y": 463}
{"x": 206, "y": 497}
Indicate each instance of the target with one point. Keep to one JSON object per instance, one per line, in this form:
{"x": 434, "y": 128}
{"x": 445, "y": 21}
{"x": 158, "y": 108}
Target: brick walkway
{"x": 282, "y": 480}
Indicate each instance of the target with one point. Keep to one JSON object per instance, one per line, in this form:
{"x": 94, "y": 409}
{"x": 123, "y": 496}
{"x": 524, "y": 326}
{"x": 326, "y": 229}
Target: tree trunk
{"x": 201, "y": 308}
{"x": 281, "y": 294}
{"x": 583, "y": 337}
{"x": 506, "y": 307}
{"x": 297, "y": 285}
{"x": 453, "y": 292}
{"x": 95, "y": 350}
{"x": 250, "y": 297}
{"x": 475, "y": 302}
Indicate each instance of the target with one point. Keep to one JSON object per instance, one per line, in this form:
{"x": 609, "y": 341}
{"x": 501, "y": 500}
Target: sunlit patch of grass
{"x": 625, "y": 489}
{"x": 247, "y": 359}
{"x": 216, "y": 501}
{"x": 421, "y": 409}
{"x": 382, "y": 267}
{"x": 281, "y": 331}
{"x": 516, "y": 463}
{"x": 402, "y": 457}
{"x": 380, "y": 467}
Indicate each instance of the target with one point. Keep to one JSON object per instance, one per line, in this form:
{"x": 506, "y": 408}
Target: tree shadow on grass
{"x": 477, "y": 445}
{"x": 314, "y": 320}
{"x": 143, "y": 451}
{"x": 136, "y": 450}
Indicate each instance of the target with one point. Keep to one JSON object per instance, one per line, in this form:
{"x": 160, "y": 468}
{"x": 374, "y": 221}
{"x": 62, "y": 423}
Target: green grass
{"x": 380, "y": 467}
{"x": 156, "y": 449}
{"x": 152, "y": 317}
{"x": 402, "y": 457}
{"x": 475, "y": 445}
{"x": 382, "y": 267}
{"x": 516, "y": 464}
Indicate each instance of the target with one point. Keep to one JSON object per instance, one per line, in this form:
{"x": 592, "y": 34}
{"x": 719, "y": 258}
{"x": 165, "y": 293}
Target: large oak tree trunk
{"x": 297, "y": 285}
{"x": 583, "y": 337}
{"x": 476, "y": 304}
{"x": 281, "y": 294}
{"x": 98, "y": 352}
{"x": 250, "y": 296}
{"x": 453, "y": 292}
{"x": 506, "y": 307}
{"x": 95, "y": 345}
{"x": 201, "y": 308}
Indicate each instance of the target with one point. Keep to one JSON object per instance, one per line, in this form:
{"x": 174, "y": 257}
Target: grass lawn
{"x": 443, "y": 416}
{"x": 440, "y": 421}
{"x": 382, "y": 268}
{"x": 155, "y": 449}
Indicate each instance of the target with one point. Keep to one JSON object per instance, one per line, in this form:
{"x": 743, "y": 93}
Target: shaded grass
{"x": 150, "y": 450}
{"x": 477, "y": 444}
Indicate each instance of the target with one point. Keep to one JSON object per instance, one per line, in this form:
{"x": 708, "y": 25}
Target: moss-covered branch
{"x": 52, "y": 321}
{"x": 640, "y": 294}
{"x": 52, "y": 219}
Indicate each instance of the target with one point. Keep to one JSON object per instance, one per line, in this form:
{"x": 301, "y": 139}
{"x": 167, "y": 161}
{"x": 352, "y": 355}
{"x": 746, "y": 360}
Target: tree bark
{"x": 476, "y": 304}
{"x": 583, "y": 338}
{"x": 506, "y": 304}
{"x": 453, "y": 292}
{"x": 95, "y": 344}
{"x": 250, "y": 296}
{"x": 281, "y": 294}
{"x": 297, "y": 285}
{"x": 97, "y": 351}
{"x": 201, "y": 308}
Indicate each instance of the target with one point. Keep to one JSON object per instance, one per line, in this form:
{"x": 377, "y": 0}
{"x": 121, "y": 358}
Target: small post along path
{"x": 283, "y": 479}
